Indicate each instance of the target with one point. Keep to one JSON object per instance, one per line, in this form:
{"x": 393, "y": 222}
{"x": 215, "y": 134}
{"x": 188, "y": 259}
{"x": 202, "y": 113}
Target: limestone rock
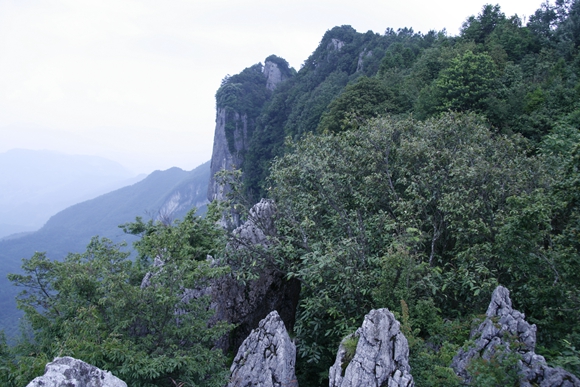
{"x": 336, "y": 44}
{"x": 273, "y": 75}
{"x": 381, "y": 357}
{"x": 266, "y": 358}
{"x": 70, "y": 372}
{"x": 227, "y": 155}
{"x": 222, "y": 157}
{"x": 505, "y": 329}
{"x": 259, "y": 225}
{"x": 245, "y": 304}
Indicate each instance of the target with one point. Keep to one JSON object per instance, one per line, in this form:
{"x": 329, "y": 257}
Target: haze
{"x": 134, "y": 81}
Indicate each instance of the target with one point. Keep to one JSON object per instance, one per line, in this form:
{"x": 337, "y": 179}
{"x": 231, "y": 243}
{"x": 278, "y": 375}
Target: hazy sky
{"x": 134, "y": 80}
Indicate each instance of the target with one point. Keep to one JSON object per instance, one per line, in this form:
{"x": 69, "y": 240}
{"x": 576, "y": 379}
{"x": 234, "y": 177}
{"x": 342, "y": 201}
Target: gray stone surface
{"x": 222, "y": 158}
{"x": 266, "y": 358}
{"x": 381, "y": 357}
{"x": 258, "y": 227}
{"x": 505, "y": 329}
{"x": 273, "y": 75}
{"x": 70, "y": 372}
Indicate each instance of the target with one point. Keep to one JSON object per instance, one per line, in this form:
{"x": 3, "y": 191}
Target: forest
{"x": 414, "y": 172}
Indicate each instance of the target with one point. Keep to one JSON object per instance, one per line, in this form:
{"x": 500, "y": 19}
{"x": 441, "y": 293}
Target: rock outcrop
{"x": 506, "y": 330}
{"x": 266, "y": 358}
{"x": 381, "y": 357}
{"x": 245, "y": 304}
{"x": 69, "y": 372}
{"x": 273, "y": 75}
{"x": 229, "y": 153}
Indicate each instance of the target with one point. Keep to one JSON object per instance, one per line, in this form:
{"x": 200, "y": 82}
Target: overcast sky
{"x": 134, "y": 80}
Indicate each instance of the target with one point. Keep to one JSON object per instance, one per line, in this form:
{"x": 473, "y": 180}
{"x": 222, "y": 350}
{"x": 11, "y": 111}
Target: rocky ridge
{"x": 245, "y": 304}
{"x": 223, "y": 156}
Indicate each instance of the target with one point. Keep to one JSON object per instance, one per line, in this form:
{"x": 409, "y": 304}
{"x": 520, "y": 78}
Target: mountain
{"x": 262, "y": 105}
{"x": 166, "y": 194}
{"x": 36, "y": 184}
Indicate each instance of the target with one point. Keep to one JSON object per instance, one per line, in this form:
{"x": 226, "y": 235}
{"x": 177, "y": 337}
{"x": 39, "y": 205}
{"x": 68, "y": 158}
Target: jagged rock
{"x": 70, "y": 372}
{"x": 266, "y": 358}
{"x": 381, "y": 357}
{"x": 336, "y": 44}
{"x": 245, "y": 304}
{"x": 505, "y": 329}
{"x": 259, "y": 225}
{"x": 361, "y": 57}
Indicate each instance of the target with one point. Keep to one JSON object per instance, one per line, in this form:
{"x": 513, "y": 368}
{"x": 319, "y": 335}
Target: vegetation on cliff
{"x": 410, "y": 171}
{"x": 133, "y": 318}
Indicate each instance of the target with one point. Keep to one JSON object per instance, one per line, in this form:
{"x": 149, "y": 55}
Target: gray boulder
{"x": 70, "y": 372}
{"x": 266, "y": 358}
{"x": 381, "y": 357}
{"x": 506, "y": 330}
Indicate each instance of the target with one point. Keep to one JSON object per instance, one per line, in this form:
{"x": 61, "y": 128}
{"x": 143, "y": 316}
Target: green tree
{"x": 136, "y": 319}
{"x": 367, "y": 98}
{"x": 466, "y": 83}
{"x": 398, "y": 209}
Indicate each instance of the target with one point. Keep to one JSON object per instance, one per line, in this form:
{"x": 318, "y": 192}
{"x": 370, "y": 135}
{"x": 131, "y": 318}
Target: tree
{"x": 466, "y": 83}
{"x": 397, "y": 209}
{"x": 367, "y": 98}
{"x": 132, "y": 318}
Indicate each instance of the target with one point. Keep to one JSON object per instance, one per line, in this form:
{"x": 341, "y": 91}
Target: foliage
{"x": 466, "y": 83}
{"x": 242, "y": 96}
{"x": 367, "y": 98}
{"x": 398, "y": 209}
{"x": 500, "y": 370}
{"x": 94, "y": 306}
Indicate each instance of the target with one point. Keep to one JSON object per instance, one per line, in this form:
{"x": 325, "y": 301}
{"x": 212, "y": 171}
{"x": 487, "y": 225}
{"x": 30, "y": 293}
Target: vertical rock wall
{"x": 223, "y": 156}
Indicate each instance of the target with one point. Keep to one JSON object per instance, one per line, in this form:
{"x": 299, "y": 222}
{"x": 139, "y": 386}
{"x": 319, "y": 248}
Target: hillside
{"x": 168, "y": 194}
{"x": 37, "y": 184}
{"x": 407, "y": 171}
{"x": 415, "y": 171}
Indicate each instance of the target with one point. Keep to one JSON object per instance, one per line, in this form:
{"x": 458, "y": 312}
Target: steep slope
{"x": 256, "y": 113}
{"x": 165, "y": 195}
{"x": 239, "y": 102}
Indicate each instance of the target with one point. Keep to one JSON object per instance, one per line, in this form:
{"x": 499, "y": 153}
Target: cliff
{"x": 239, "y": 102}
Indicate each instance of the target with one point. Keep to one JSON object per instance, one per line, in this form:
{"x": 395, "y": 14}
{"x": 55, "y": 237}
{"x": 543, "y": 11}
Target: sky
{"x": 134, "y": 80}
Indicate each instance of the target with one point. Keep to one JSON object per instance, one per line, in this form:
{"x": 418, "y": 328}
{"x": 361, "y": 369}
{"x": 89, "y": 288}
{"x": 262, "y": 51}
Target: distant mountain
{"x": 36, "y": 184}
{"x": 167, "y": 194}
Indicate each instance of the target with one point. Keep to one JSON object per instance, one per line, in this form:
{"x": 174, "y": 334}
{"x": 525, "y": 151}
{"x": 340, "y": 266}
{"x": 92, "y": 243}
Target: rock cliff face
{"x": 266, "y": 358}
{"x": 68, "y": 372}
{"x": 506, "y": 330}
{"x": 227, "y": 155}
{"x": 245, "y": 304}
{"x": 381, "y": 357}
